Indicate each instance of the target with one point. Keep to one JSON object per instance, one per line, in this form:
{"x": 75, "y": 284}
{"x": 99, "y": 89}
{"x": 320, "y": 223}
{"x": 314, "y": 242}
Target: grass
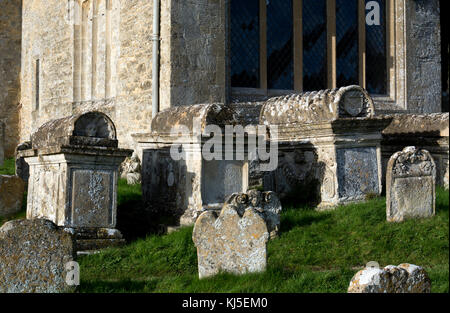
{"x": 9, "y": 168}
{"x": 316, "y": 252}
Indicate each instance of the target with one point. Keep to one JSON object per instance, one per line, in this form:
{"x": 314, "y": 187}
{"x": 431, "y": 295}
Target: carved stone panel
{"x": 92, "y": 197}
{"x": 357, "y": 172}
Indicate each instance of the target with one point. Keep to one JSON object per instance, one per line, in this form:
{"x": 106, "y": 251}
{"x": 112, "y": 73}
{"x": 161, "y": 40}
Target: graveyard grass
{"x": 316, "y": 252}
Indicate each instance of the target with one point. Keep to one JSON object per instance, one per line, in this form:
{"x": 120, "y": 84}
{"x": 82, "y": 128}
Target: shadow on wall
{"x": 299, "y": 177}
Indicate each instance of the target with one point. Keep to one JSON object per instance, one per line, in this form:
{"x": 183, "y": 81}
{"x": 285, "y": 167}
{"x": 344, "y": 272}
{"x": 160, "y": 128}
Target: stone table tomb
{"x": 74, "y": 163}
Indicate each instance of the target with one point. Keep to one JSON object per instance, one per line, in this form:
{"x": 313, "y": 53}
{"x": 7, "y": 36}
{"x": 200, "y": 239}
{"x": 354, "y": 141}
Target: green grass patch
{"x": 9, "y": 167}
{"x": 315, "y": 252}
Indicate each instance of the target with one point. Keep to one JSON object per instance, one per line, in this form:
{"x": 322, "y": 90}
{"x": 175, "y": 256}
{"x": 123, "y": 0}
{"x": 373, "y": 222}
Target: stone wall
{"x": 99, "y": 57}
{"x": 197, "y": 53}
{"x": 423, "y": 56}
{"x": 10, "y": 42}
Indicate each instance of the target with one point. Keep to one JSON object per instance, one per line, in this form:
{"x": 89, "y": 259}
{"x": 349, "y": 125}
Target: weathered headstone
{"x": 11, "y": 194}
{"x": 131, "y": 170}
{"x": 410, "y": 185}
{"x": 405, "y": 278}
{"x": 74, "y": 167}
{"x": 266, "y": 204}
{"x": 233, "y": 242}
{"x": 33, "y": 257}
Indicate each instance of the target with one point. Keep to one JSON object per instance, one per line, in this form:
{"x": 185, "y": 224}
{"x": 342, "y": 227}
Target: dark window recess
{"x": 244, "y": 43}
{"x": 445, "y": 46}
{"x": 376, "y": 61}
{"x": 37, "y": 86}
{"x": 314, "y": 45}
{"x": 347, "y": 42}
{"x": 280, "y": 49}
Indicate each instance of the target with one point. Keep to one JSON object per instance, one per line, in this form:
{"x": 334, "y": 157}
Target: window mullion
{"x": 298, "y": 44}
{"x": 263, "y": 44}
{"x": 362, "y": 42}
{"x": 331, "y": 43}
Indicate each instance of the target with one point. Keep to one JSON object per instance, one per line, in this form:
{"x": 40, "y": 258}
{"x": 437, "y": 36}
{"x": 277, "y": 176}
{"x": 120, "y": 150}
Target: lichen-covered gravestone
{"x": 410, "y": 185}
{"x": 33, "y": 257}
{"x": 405, "y": 278}
{"x": 233, "y": 242}
{"x": 11, "y": 194}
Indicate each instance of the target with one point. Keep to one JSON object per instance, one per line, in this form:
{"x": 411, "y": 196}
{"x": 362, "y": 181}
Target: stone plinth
{"x": 329, "y": 144}
{"x": 11, "y": 194}
{"x": 33, "y": 257}
{"x": 233, "y": 241}
{"x": 410, "y": 183}
{"x": 74, "y": 167}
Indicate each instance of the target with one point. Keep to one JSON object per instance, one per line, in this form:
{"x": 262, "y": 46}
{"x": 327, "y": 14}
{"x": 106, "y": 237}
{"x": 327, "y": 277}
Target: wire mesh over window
{"x": 314, "y": 45}
{"x": 245, "y": 44}
{"x": 376, "y": 67}
{"x": 346, "y": 42}
{"x": 280, "y": 49}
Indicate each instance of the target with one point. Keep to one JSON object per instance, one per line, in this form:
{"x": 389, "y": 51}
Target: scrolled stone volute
{"x": 318, "y": 106}
{"x": 88, "y": 129}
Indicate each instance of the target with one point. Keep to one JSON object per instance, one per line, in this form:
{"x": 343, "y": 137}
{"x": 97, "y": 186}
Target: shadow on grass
{"x": 128, "y": 286}
{"x": 301, "y": 218}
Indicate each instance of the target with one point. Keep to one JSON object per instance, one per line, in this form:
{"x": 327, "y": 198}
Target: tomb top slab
{"x": 316, "y": 107}
{"x": 89, "y": 129}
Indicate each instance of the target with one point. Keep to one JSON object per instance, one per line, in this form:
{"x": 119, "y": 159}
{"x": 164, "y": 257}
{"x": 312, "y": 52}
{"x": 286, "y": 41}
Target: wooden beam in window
{"x": 390, "y": 48}
{"x": 331, "y": 43}
{"x": 362, "y": 42}
{"x": 298, "y": 44}
{"x": 263, "y": 44}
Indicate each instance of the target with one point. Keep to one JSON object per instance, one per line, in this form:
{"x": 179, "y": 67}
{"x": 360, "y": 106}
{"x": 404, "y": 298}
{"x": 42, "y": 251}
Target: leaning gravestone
{"x": 33, "y": 257}
{"x": 405, "y": 278}
{"x": 231, "y": 242}
{"x": 11, "y": 194}
{"x": 410, "y": 185}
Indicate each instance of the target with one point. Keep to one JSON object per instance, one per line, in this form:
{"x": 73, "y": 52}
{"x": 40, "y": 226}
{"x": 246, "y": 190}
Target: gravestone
{"x": 33, "y": 257}
{"x": 74, "y": 168}
{"x": 405, "y": 278}
{"x": 410, "y": 185}
{"x": 11, "y": 194}
{"x": 232, "y": 241}
{"x": 266, "y": 204}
